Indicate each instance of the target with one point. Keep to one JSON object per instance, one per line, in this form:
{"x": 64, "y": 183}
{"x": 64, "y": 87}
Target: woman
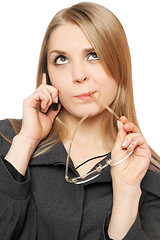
{"x": 84, "y": 67}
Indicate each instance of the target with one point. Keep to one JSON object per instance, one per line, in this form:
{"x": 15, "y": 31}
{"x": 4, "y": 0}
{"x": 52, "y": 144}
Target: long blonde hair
{"x": 106, "y": 34}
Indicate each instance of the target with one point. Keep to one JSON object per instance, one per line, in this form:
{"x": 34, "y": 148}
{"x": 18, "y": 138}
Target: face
{"x": 75, "y": 70}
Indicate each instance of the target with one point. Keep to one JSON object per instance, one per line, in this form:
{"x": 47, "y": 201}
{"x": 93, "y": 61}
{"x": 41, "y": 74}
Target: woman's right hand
{"x": 38, "y": 117}
{"x": 36, "y": 125}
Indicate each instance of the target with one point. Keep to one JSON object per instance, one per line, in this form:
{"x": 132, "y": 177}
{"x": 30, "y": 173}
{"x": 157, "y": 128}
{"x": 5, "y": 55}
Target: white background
{"x": 22, "y": 27}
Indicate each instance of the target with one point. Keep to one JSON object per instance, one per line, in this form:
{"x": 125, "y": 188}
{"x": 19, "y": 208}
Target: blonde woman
{"x": 77, "y": 166}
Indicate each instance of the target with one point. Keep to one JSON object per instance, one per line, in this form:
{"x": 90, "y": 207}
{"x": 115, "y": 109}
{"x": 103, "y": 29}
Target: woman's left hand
{"x": 131, "y": 171}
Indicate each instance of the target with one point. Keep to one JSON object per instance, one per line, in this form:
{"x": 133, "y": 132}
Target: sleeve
{"x": 16, "y": 207}
{"x": 147, "y": 223}
{"x": 15, "y": 174}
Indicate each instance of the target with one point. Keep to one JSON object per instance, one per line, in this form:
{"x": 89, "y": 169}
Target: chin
{"x": 80, "y": 111}
{"x": 90, "y": 113}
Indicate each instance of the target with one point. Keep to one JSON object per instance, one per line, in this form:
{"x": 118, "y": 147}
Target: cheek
{"x": 104, "y": 79}
{"x": 59, "y": 78}
{"x": 111, "y": 87}
{"x": 108, "y": 84}
{"x": 62, "y": 86}
{"x": 58, "y": 81}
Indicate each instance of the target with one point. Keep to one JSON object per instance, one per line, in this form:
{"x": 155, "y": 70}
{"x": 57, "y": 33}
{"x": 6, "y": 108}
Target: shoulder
{"x": 6, "y": 129}
{"x": 151, "y": 182}
{"x": 6, "y": 135}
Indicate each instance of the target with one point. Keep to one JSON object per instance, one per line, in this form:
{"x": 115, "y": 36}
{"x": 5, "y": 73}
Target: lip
{"x": 85, "y": 96}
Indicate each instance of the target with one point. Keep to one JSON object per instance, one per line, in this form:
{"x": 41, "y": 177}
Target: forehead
{"x": 67, "y": 36}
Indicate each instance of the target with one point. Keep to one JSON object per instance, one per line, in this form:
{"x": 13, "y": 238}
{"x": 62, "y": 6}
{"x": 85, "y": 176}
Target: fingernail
{"x": 56, "y": 99}
{"x": 131, "y": 146}
{"x": 45, "y": 109}
{"x": 125, "y": 143}
{"x": 119, "y": 125}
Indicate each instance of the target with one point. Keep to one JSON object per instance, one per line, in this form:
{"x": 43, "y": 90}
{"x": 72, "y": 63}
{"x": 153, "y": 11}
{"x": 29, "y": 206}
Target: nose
{"x": 79, "y": 73}
{"x": 80, "y": 79}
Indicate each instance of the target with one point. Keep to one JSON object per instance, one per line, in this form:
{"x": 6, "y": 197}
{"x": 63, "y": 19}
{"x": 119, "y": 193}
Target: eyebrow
{"x": 85, "y": 50}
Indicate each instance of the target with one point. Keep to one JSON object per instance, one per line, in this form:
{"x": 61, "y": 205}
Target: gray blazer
{"x": 45, "y": 207}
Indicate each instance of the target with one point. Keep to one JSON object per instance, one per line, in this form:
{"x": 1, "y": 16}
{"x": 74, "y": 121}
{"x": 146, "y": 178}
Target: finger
{"x": 46, "y": 91}
{"x": 128, "y": 139}
{"x": 128, "y": 126}
{"x": 40, "y": 101}
{"x": 51, "y": 90}
{"x": 52, "y": 93}
{"x": 137, "y": 143}
{"x": 131, "y": 127}
{"x": 141, "y": 143}
{"x": 123, "y": 119}
{"x": 54, "y": 96}
{"x": 44, "y": 78}
{"x": 120, "y": 136}
{"x": 49, "y": 87}
{"x": 45, "y": 102}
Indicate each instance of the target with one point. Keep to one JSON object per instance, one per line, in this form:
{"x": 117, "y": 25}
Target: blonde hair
{"x": 106, "y": 34}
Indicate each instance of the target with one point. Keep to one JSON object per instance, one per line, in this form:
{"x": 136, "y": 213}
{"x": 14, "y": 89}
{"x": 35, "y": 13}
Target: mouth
{"x": 85, "y": 96}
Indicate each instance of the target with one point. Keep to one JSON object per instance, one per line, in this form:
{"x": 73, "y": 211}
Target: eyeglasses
{"x": 97, "y": 171}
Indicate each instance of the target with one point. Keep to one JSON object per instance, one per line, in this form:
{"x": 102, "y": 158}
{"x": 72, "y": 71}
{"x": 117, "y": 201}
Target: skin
{"x": 79, "y": 71}
{"x": 74, "y": 68}
{"x": 83, "y": 73}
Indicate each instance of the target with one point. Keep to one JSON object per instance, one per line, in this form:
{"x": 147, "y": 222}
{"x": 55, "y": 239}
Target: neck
{"x": 91, "y": 131}
{"x": 89, "y": 141}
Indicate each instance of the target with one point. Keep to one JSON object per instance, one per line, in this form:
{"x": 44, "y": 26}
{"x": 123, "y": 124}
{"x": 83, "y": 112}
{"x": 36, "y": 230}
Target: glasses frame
{"x": 97, "y": 171}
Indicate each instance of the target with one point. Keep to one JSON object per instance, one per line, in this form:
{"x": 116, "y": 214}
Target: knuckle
{"x": 129, "y": 124}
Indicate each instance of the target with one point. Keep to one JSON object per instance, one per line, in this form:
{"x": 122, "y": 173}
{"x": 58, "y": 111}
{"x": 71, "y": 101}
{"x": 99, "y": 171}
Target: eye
{"x": 59, "y": 60}
{"x": 93, "y": 56}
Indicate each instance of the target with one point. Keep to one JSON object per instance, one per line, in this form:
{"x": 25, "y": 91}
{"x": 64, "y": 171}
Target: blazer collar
{"x": 57, "y": 155}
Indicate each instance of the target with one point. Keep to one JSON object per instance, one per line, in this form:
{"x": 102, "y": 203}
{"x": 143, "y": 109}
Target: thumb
{"x": 120, "y": 136}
